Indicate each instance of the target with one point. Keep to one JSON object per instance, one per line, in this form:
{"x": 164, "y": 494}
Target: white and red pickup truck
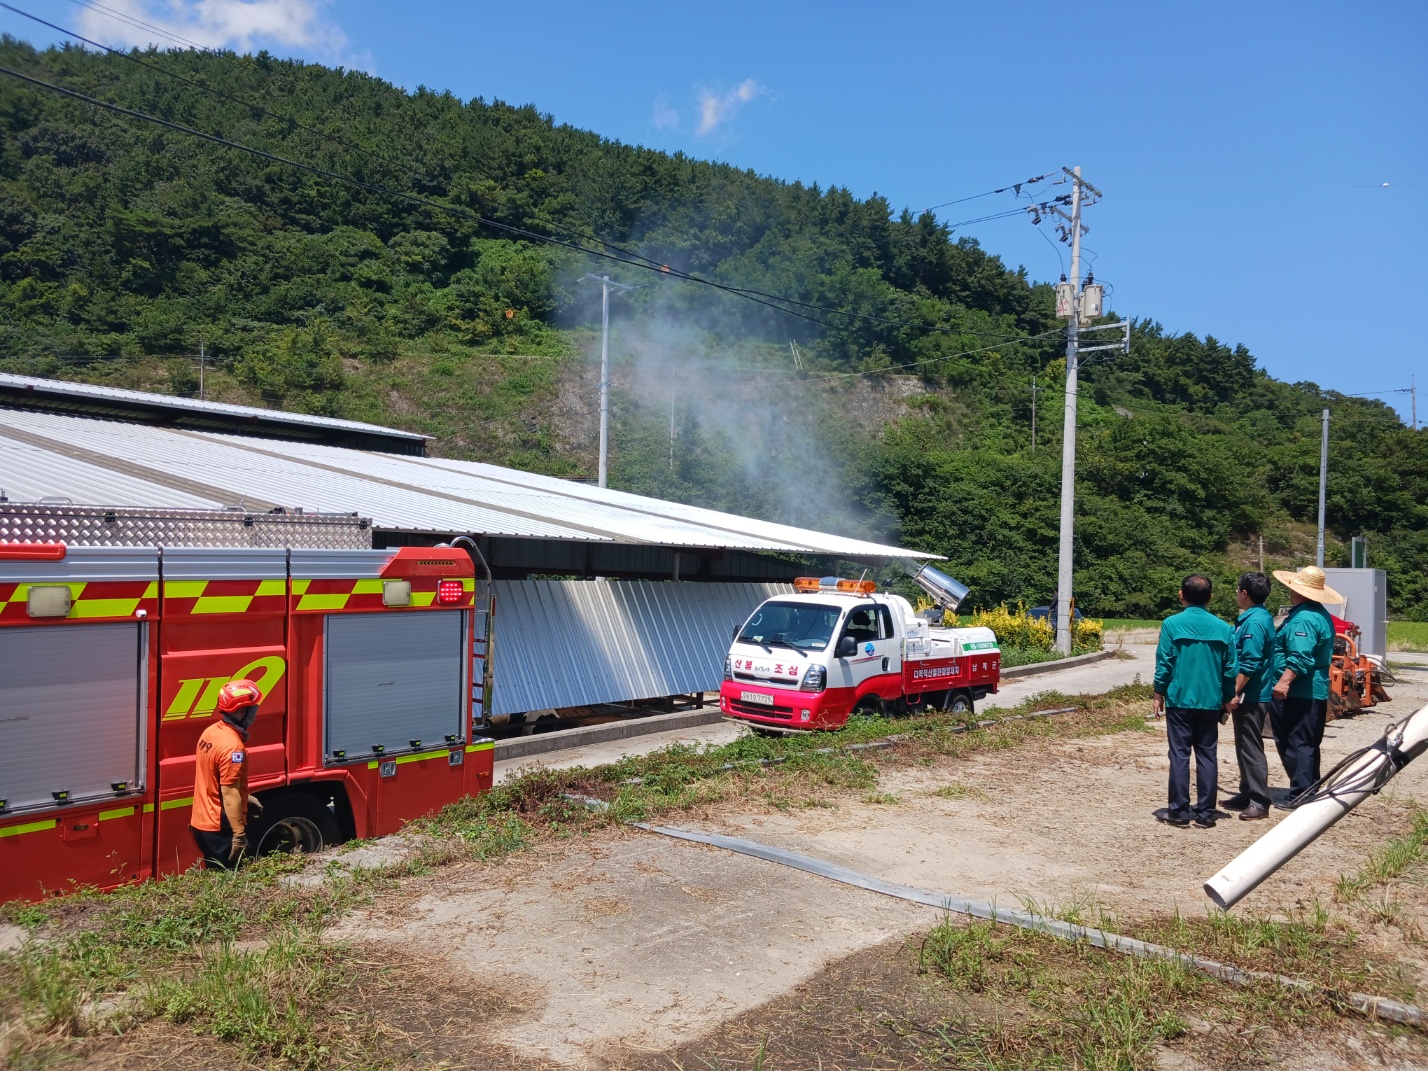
{"x": 835, "y": 647}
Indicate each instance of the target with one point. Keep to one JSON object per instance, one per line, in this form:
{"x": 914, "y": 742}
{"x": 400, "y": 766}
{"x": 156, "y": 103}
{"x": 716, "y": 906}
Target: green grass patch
{"x": 1408, "y": 635}
{"x": 1034, "y": 1001}
{"x": 1386, "y": 862}
{"x": 1126, "y": 624}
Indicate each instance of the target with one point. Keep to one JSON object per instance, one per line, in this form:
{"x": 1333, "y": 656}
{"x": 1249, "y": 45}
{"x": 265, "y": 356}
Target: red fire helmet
{"x": 235, "y": 695}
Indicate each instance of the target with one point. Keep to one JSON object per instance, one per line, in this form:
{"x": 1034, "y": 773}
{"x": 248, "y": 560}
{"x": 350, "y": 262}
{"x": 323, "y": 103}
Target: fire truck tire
{"x": 292, "y": 822}
{"x": 961, "y": 703}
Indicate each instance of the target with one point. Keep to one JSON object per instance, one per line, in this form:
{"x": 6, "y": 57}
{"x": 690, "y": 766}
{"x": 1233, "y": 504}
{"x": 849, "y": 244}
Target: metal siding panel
{"x": 70, "y": 706}
{"x": 215, "y": 563}
{"x": 577, "y": 643}
{"x": 392, "y": 678}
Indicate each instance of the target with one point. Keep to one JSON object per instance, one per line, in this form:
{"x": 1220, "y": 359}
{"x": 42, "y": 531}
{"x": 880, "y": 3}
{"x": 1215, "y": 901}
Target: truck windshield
{"x": 803, "y": 625}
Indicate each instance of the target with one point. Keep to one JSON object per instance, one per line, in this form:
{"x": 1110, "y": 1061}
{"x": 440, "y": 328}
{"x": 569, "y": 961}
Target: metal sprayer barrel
{"x": 945, "y": 591}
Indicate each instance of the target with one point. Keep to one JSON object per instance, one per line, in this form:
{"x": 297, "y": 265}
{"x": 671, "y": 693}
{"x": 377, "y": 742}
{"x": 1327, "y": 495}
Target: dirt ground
{"x": 619, "y": 946}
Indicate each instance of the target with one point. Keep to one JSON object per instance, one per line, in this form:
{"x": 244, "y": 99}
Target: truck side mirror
{"x": 847, "y": 647}
{"x": 734, "y": 636}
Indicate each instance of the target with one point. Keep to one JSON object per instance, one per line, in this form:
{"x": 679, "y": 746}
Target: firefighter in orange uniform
{"x": 220, "y": 778}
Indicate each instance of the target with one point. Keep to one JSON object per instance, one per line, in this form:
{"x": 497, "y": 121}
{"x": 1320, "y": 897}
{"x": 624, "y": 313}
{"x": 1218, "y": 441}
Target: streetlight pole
{"x": 606, "y": 285}
{"x": 1323, "y": 487}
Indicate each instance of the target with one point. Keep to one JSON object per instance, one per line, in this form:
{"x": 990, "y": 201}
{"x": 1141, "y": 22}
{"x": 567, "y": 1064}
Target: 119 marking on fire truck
{"x": 197, "y": 697}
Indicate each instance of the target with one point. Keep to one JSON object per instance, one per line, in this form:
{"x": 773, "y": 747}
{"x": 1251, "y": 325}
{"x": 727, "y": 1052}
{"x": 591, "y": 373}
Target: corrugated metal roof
{"x": 578, "y": 642}
{"x": 81, "y": 393}
{"x": 116, "y": 463}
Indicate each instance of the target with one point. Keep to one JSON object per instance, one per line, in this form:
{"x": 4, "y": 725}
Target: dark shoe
{"x": 1206, "y": 821}
{"x": 1237, "y": 802}
{"x": 1286, "y": 804}
{"x": 1254, "y": 812}
{"x": 1169, "y": 818}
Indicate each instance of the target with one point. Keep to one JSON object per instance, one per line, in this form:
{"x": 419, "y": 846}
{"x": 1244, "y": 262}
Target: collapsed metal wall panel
{"x": 577, "y": 642}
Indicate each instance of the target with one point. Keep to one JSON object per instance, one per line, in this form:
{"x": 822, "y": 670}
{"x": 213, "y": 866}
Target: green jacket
{"x": 1305, "y": 644}
{"x": 1254, "y": 653}
{"x": 1195, "y": 661}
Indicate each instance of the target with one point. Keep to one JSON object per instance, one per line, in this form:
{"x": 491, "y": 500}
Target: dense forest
{"x": 894, "y": 403}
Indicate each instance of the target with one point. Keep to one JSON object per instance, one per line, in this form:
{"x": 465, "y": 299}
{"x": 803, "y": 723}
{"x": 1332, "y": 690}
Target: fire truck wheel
{"x": 961, "y": 704}
{"x": 293, "y": 822}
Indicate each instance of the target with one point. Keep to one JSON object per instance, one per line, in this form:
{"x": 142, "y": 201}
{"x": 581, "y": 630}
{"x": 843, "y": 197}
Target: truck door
{"x": 75, "y": 716}
{"x": 396, "y": 700}
{"x": 876, "y": 663}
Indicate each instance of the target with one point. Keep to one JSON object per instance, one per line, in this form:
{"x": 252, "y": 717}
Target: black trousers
{"x": 1299, "y": 733}
{"x": 215, "y": 846}
{"x": 1249, "y": 750}
{"x": 1198, "y": 730}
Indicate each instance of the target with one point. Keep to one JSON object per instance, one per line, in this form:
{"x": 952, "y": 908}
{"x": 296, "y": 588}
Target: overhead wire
{"x": 1012, "y": 186}
{"x": 628, "y": 257}
{"x": 140, "y": 24}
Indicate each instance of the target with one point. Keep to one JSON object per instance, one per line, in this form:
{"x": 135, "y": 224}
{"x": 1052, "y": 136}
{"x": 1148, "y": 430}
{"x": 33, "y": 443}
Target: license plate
{"x": 756, "y": 697}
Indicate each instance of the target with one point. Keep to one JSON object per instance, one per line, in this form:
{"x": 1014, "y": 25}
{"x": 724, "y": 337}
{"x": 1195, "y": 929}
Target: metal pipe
{"x": 1361, "y": 778}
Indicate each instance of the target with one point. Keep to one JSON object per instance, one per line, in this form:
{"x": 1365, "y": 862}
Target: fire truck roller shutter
{"x": 71, "y": 705}
{"x": 393, "y": 678}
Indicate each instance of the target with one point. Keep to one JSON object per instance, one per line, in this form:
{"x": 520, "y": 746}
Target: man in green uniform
{"x": 1194, "y": 680}
{"x": 1303, "y": 651}
{"x": 1254, "y": 685}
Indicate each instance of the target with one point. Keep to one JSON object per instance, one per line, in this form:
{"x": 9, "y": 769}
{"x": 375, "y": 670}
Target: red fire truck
{"x": 111, "y": 659}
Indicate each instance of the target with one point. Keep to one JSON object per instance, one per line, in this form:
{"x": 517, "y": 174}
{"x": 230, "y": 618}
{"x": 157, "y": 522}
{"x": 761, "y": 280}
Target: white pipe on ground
{"x": 1403, "y": 742}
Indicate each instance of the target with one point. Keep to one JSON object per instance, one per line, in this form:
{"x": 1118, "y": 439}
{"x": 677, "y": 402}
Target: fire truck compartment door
{"x": 393, "y": 678}
{"x": 71, "y": 712}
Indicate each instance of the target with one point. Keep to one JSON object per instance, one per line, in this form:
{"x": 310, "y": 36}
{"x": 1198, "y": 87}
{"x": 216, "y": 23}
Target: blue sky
{"x": 1241, "y": 147}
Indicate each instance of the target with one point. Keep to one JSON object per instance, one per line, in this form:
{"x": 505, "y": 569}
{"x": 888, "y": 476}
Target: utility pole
{"x": 1072, "y": 304}
{"x": 1323, "y": 485}
{"x": 606, "y": 285}
{"x": 671, "y": 431}
{"x": 1261, "y": 554}
{"x": 1413, "y": 390}
{"x": 201, "y": 360}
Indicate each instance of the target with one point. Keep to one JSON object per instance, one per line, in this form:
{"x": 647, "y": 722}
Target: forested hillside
{"x": 898, "y": 408}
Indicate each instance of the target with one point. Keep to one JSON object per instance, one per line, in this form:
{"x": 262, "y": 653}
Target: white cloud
{"x": 242, "y": 25}
{"x": 718, "y": 108}
{"x": 666, "y": 116}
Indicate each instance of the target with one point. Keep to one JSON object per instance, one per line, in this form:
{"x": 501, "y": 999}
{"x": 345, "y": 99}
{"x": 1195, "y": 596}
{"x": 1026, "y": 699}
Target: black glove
{"x": 255, "y": 806}
{"x": 240, "y": 845}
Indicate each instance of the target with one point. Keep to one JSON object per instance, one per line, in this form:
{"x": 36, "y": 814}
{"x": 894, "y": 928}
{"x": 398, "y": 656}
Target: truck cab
{"x": 811, "y": 659}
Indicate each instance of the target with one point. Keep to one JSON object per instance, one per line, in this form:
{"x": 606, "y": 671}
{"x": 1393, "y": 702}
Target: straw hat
{"x": 1308, "y": 582}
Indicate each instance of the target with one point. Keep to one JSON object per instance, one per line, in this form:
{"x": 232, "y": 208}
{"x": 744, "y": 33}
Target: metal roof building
{"x": 525, "y": 522}
{"x": 555, "y": 644}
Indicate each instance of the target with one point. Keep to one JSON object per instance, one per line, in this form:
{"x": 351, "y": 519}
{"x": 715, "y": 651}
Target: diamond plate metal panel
{"x": 100, "y": 526}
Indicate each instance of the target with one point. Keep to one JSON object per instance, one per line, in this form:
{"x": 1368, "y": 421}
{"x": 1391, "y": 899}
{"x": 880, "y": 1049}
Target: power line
{"x": 633, "y": 255}
{"x": 140, "y": 24}
{"x": 1014, "y": 186}
{"x": 260, "y": 109}
{"x": 632, "y": 260}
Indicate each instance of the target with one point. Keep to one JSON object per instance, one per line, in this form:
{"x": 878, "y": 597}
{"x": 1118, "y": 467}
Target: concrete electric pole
{"x": 1323, "y": 486}
{"x": 1080, "y": 305}
{"x": 606, "y": 285}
